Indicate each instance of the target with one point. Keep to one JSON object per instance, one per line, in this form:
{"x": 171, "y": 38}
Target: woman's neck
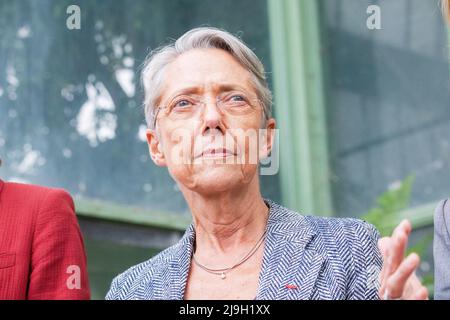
{"x": 229, "y": 223}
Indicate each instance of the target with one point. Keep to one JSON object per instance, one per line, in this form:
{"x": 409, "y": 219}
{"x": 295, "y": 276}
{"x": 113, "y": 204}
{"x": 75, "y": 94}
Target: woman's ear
{"x": 269, "y": 137}
{"x": 155, "y": 148}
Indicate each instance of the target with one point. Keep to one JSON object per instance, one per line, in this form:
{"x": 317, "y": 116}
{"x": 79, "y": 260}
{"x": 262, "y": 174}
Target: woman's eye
{"x": 237, "y": 98}
{"x": 182, "y": 104}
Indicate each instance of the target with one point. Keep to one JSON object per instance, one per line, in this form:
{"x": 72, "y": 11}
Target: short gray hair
{"x": 152, "y": 76}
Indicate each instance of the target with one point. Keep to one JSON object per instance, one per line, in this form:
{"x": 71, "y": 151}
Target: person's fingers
{"x": 396, "y": 282}
{"x": 421, "y": 294}
{"x": 393, "y": 250}
{"x": 395, "y": 257}
{"x": 384, "y": 244}
{"x": 405, "y": 226}
{"x": 397, "y": 249}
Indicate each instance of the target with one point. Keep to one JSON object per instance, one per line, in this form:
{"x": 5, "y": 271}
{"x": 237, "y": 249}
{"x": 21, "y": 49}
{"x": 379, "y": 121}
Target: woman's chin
{"x": 219, "y": 178}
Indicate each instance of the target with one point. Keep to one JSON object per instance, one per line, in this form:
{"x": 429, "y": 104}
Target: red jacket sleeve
{"x": 58, "y": 262}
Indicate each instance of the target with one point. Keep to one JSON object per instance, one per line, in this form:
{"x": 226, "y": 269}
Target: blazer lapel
{"x": 290, "y": 269}
{"x": 175, "y": 283}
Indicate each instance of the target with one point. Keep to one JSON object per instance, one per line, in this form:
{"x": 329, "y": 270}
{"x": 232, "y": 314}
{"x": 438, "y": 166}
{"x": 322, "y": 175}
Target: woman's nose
{"x": 212, "y": 115}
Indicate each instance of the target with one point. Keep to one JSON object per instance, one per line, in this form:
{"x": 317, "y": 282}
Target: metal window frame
{"x": 299, "y": 105}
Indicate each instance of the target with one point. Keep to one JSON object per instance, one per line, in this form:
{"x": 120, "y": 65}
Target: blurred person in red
{"x": 42, "y": 253}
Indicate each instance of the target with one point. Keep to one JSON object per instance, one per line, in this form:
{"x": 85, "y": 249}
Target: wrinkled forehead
{"x": 207, "y": 70}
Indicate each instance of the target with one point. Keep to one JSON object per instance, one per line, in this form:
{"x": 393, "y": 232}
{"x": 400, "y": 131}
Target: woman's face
{"x": 209, "y": 148}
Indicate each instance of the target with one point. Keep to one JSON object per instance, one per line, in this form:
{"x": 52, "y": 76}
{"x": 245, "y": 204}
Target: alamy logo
{"x": 235, "y": 147}
{"x": 74, "y": 280}
{"x": 73, "y": 21}
{"x": 373, "y": 22}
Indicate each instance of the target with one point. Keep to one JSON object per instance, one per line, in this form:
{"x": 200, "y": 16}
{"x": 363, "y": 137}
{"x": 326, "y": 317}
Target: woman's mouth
{"x": 217, "y": 153}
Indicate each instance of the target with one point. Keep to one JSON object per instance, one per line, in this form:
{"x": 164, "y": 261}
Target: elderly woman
{"x": 201, "y": 93}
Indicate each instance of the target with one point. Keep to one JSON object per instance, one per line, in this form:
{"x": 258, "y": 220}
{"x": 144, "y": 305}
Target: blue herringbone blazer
{"x": 325, "y": 258}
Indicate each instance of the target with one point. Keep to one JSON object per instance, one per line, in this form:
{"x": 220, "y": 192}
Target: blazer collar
{"x": 289, "y": 269}
{"x": 179, "y": 265}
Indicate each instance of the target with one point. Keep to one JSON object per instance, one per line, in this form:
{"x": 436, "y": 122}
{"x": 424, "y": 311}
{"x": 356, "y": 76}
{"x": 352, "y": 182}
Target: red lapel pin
{"x": 291, "y": 286}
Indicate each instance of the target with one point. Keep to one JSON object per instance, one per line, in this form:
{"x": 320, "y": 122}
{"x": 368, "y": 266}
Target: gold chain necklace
{"x": 222, "y": 272}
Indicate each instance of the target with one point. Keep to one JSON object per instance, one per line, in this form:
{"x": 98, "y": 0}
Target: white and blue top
{"x": 321, "y": 257}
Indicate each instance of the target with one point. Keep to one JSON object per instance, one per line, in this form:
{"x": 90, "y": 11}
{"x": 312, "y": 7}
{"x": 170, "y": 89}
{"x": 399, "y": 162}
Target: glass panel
{"x": 388, "y": 104}
{"x": 70, "y": 102}
{"x": 107, "y": 260}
